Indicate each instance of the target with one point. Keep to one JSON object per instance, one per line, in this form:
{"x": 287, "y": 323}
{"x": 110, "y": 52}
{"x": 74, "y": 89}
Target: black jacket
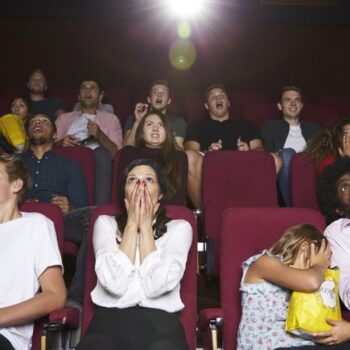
{"x": 275, "y": 132}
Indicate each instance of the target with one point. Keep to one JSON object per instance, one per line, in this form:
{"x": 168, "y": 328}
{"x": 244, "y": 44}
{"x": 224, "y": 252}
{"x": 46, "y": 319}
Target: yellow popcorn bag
{"x": 12, "y": 129}
{"x": 307, "y": 312}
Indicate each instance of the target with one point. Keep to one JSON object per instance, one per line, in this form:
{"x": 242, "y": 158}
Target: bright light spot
{"x": 186, "y": 8}
{"x": 182, "y": 54}
{"x": 184, "y": 30}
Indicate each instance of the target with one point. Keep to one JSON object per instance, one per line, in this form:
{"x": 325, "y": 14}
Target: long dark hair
{"x": 167, "y": 157}
{"x": 328, "y": 141}
{"x": 159, "y": 224}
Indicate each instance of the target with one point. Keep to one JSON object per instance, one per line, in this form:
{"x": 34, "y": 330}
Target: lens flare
{"x": 182, "y": 54}
{"x": 186, "y": 8}
{"x": 184, "y": 30}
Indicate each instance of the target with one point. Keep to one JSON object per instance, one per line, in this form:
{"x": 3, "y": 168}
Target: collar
{"x": 46, "y": 155}
{"x": 345, "y": 222}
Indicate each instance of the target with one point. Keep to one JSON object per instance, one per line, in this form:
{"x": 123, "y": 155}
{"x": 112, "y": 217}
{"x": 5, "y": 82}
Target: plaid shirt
{"x": 56, "y": 174}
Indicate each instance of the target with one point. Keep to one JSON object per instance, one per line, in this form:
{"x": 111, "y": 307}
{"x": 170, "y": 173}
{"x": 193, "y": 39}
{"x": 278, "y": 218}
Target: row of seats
{"x": 229, "y": 179}
{"x": 245, "y": 231}
{"x": 251, "y": 106}
{"x": 69, "y": 317}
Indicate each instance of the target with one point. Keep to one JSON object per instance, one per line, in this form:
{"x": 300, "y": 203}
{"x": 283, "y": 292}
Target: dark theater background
{"x": 249, "y": 45}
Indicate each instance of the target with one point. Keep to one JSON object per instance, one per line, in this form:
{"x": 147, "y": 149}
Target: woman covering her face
{"x": 140, "y": 260}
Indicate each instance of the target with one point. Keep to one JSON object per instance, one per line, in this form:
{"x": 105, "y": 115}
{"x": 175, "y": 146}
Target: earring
{"x": 339, "y": 212}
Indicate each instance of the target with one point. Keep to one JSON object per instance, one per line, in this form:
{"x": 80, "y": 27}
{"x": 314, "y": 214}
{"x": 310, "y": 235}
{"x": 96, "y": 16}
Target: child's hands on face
{"x": 322, "y": 257}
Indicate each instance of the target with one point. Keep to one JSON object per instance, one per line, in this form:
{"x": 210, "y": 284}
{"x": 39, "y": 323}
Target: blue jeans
{"x": 286, "y": 155}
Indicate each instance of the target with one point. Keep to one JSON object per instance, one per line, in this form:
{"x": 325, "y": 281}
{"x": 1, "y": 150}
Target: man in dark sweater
{"x": 39, "y": 102}
{"x": 61, "y": 181}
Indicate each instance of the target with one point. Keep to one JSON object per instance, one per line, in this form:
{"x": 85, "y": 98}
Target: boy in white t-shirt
{"x": 286, "y": 136}
{"x": 29, "y": 261}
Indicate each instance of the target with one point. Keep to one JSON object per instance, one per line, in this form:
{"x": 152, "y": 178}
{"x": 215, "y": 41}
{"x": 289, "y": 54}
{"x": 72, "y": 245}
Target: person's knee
{"x": 287, "y": 154}
{"x": 102, "y": 154}
{"x": 194, "y": 160}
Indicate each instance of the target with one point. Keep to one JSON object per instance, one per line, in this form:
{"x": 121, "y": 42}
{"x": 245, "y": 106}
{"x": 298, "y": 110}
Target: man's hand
{"x": 215, "y": 146}
{"x": 94, "y": 130}
{"x": 140, "y": 111}
{"x": 62, "y": 202}
{"x": 337, "y": 335}
{"x": 70, "y": 141}
{"x": 241, "y": 145}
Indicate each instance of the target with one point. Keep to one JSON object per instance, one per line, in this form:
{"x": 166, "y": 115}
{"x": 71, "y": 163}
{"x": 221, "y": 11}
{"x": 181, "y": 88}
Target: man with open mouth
{"x": 158, "y": 100}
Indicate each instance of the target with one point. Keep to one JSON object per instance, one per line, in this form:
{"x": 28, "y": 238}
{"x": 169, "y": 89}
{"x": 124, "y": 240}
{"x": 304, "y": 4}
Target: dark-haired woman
{"x": 332, "y": 143}
{"x": 140, "y": 260}
{"x": 154, "y": 139}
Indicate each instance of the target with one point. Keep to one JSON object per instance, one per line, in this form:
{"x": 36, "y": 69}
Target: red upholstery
{"x": 241, "y": 99}
{"x": 245, "y": 232}
{"x": 69, "y": 95}
{"x": 245, "y": 178}
{"x": 194, "y": 107}
{"x": 232, "y": 178}
{"x": 303, "y": 182}
{"x": 260, "y": 113}
{"x": 54, "y": 213}
{"x": 85, "y": 158}
{"x": 341, "y": 103}
{"x": 121, "y": 101}
{"x": 67, "y": 315}
{"x": 188, "y": 285}
{"x": 321, "y": 114}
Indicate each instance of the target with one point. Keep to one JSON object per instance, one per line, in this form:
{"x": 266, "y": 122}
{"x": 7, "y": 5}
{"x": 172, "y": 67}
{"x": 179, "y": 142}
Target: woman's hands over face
{"x": 133, "y": 207}
{"x": 148, "y": 209}
{"x": 141, "y": 209}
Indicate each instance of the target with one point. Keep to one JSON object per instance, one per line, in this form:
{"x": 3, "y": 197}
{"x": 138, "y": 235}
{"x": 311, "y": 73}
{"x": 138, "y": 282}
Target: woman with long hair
{"x": 331, "y": 143}
{"x": 154, "y": 139}
{"x": 140, "y": 260}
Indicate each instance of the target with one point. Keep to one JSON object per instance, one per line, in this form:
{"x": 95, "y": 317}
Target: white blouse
{"x": 155, "y": 283}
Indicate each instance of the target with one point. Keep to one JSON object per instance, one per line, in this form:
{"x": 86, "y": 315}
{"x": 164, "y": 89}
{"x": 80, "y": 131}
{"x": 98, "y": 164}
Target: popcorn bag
{"x": 12, "y": 129}
{"x": 307, "y": 312}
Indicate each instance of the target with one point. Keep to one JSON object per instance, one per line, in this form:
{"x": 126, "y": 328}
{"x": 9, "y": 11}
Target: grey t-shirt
{"x": 178, "y": 124}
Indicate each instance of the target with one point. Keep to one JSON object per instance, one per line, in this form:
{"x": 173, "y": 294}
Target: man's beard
{"x": 37, "y": 141}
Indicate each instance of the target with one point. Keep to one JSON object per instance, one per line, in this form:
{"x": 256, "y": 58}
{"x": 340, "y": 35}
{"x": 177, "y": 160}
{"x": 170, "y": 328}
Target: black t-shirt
{"x": 49, "y": 106}
{"x": 228, "y": 131}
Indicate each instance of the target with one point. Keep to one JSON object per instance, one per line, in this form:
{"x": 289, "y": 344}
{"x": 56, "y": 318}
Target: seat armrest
{"x": 68, "y": 316}
{"x": 207, "y": 316}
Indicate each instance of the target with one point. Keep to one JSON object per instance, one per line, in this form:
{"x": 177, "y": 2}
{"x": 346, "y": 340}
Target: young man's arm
{"x": 192, "y": 145}
{"x": 140, "y": 111}
{"x": 256, "y": 145}
{"x": 52, "y": 297}
{"x": 129, "y": 137}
